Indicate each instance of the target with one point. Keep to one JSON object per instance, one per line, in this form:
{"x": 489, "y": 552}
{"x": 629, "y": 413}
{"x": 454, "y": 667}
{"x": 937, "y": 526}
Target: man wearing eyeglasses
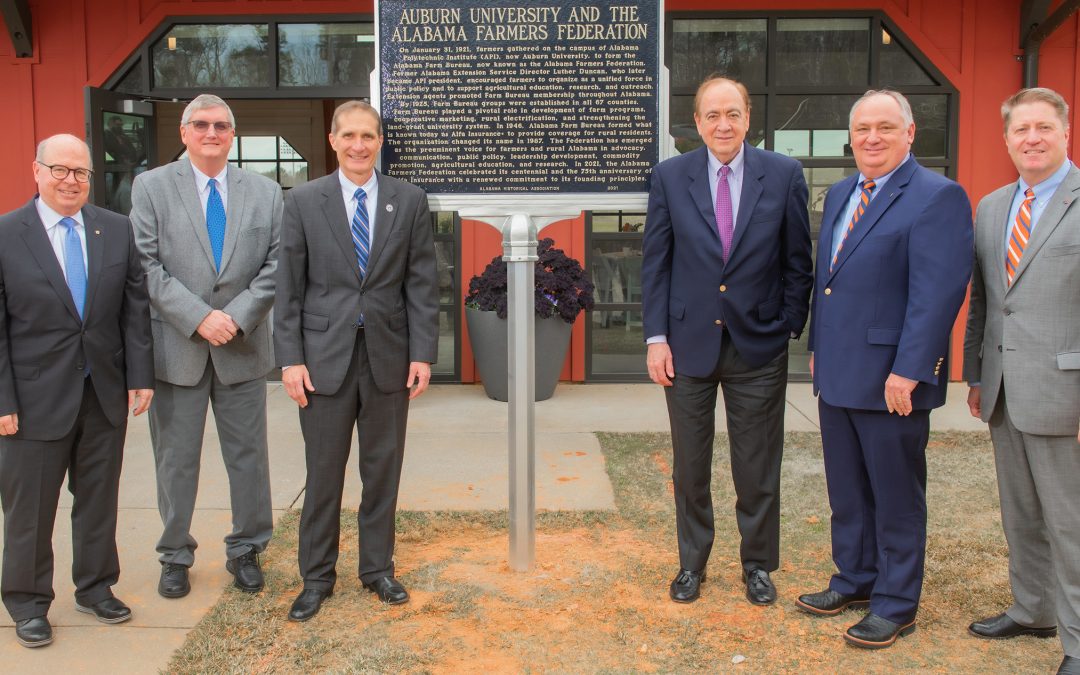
{"x": 208, "y": 235}
{"x": 75, "y": 355}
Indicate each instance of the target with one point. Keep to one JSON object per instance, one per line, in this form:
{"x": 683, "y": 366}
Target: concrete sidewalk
{"x": 455, "y": 458}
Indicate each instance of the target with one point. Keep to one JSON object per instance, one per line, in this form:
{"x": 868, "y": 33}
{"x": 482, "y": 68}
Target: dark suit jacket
{"x": 45, "y": 348}
{"x": 320, "y": 295}
{"x": 890, "y": 302}
{"x": 761, "y": 295}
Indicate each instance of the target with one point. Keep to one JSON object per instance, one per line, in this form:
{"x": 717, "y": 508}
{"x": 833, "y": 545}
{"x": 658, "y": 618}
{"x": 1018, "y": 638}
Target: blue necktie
{"x": 361, "y": 233}
{"x": 74, "y": 266}
{"x": 215, "y": 222}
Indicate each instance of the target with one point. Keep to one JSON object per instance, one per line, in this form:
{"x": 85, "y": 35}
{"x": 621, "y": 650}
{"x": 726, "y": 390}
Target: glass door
{"x": 121, "y": 133}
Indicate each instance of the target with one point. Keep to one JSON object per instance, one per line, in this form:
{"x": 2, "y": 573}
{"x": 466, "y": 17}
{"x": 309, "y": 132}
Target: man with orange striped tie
{"x": 893, "y": 266}
{"x": 1022, "y": 360}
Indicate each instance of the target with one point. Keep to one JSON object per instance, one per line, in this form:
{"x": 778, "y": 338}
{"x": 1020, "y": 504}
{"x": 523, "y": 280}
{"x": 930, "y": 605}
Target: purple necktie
{"x": 724, "y": 221}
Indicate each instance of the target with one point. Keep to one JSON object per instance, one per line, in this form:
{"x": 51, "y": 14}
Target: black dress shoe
{"x": 1070, "y": 665}
{"x": 759, "y": 587}
{"x": 1002, "y": 627}
{"x": 35, "y": 632}
{"x": 389, "y": 590}
{"x": 875, "y": 632}
{"x": 686, "y": 587}
{"x": 109, "y": 610}
{"x": 247, "y": 574}
{"x": 829, "y": 603}
{"x": 308, "y": 603}
{"x": 174, "y": 581}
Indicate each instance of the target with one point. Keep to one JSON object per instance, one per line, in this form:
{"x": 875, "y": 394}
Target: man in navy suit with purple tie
{"x": 726, "y": 277}
{"x": 893, "y": 265}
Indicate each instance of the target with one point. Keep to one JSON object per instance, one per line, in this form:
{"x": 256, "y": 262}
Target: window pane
{"x": 897, "y": 67}
{"x": 931, "y": 113}
{"x": 618, "y": 346}
{"x": 286, "y": 151}
{"x": 313, "y": 55}
{"x": 444, "y": 257}
{"x": 258, "y": 147}
{"x": 812, "y": 126}
{"x": 268, "y": 169}
{"x": 616, "y": 270}
{"x": 684, "y": 129}
{"x": 132, "y": 82}
{"x": 812, "y": 52}
{"x": 443, "y": 222}
{"x": 819, "y": 181}
{"x": 605, "y": 222}
{"x": 731, "y": 47}
{"x": 293, "y": 174}
{"x": 219, "y": 55}
{"x": 447, "y": 346}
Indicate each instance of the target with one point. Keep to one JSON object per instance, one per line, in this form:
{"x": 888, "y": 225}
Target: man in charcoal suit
{"x": 356, "y": 332}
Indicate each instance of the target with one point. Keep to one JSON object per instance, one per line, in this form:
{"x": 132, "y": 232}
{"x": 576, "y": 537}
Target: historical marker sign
{"x": 525, "y": 96}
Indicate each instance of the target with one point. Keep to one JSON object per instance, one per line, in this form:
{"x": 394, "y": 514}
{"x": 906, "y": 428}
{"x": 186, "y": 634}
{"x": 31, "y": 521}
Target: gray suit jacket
{"x": 1026, "y": 337}
{"x": 184, "y": 286}
{"x": 320, "y": 295}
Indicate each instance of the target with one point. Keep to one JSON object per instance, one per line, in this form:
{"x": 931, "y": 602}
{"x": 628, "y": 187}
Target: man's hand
{"x": 661, "y": 366}
{"x": 9, "y": 424}
{"x": 420, "y": 375}
{"x": 218, "y": 328}
{"x": 811, "y": 365}
{"x": 898, "y": 394}
{"x": 297, "y": 383}
{"x": 975, "y": 401}
{"x": 139, "y": 400}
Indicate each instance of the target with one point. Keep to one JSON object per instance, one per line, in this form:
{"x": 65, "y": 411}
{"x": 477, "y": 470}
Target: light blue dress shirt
{"x": 853, "y": 201}
{"x": 1043, "y": 192}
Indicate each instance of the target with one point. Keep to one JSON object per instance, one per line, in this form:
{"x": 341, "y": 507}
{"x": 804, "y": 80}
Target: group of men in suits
{"x": 727, "y": 281}
{"x": 99, "y": 314}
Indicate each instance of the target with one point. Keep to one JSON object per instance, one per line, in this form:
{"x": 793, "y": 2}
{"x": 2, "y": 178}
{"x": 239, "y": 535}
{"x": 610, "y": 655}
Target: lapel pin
{"x": 389, "y": 207}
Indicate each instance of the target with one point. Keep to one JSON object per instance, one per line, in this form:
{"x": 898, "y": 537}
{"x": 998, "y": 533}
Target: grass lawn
{"x": 596, "y": 600}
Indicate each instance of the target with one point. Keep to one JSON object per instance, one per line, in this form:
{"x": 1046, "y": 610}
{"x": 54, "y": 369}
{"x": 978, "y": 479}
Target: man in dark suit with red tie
{"x": 75, "y": 356}
{"x": 726, "y": 278}
{"x": 893, "y": 265}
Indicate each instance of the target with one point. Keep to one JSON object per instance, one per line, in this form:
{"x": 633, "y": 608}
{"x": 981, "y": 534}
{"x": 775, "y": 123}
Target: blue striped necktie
{"x": 215, "y": 222}
{"x": 361, "y": 232}
{"x": 74, "y": 265}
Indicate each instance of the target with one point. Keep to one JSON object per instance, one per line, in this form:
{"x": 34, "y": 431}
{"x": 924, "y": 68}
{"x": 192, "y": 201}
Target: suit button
{"x": 828, "y": 291}
{"x": 999, "y": 349}
{"x": 723, "y": 289}
{"x": 216, "y": 288}
{"x": 718, "y": 322}
{"x": 80, "y": 366}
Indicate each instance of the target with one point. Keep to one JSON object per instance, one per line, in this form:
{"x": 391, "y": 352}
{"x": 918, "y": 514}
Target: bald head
{"x": 66, "y": 195}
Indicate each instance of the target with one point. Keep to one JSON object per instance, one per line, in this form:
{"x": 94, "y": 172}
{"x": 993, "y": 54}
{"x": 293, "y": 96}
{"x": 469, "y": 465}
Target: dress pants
{"x": 327, "y": 424}
{"x": 177, "y": 423}
{"x": 875, "y": 468}
{"x": 1040, "y": 513}
{"x": 31, "y": 476}
{"x": 754, "y": 406}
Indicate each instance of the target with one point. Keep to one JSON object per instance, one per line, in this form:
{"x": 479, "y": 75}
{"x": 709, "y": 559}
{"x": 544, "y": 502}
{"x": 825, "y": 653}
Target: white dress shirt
{"x": 202, "y": 186}
{"x": 57, "y": 233}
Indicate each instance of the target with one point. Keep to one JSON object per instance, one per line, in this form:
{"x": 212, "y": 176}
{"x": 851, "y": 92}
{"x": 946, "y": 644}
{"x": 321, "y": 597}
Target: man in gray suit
{"x": 1022, "y": 360}
{"x": 355, "y": 330}
{"x": 75, "y": 355}
{"x": 208, "y": 234}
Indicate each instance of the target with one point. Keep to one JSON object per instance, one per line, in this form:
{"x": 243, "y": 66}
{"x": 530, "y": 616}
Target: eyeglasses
{"x": 202, "y": 126}
{"x": 60, "y": 172}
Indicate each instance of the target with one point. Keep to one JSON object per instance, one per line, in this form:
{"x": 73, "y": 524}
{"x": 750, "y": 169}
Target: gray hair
{"x": 349, "y": 106}
{"x": 905, "y": 107}
{"x": 1036, "y": 95}
{"x": 43, "y": 147}
{"x": 204, "y": 102}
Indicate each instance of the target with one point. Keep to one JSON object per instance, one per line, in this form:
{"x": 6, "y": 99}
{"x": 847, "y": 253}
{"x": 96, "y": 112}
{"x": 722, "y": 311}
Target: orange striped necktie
{"x": 1020, "y": 235}
{"x": 864, "y": 201}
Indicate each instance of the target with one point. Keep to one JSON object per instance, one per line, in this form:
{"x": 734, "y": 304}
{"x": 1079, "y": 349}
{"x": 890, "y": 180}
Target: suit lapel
{"x": 37, "y": 241}
{"x": 234, "y": 215}
{"x": 878, "y": 206}
{"x": 95, "y": 251}
{"x": 753, "y": 172}
{"x": 186, "y": 189}
{"x": 337, "y": 221}
{"x": 385, "y": 221}
{"x": 701, "y": 191}
{"x": 998, "y": 216}
{"x": 834, "y": 206}
{"x": 1050, "y": 219}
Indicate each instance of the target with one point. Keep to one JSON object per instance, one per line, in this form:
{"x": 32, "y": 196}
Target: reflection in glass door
{"x": 121, "y": 137}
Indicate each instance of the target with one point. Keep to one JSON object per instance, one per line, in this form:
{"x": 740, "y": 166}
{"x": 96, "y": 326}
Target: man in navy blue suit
{"x": 893, "y": 264}
{"x": 726, "y": 278}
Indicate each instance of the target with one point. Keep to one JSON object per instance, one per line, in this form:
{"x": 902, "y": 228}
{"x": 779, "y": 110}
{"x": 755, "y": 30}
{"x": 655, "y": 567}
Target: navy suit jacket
{"x": 761, "y": 295}
{"x": 892, "y": 297}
